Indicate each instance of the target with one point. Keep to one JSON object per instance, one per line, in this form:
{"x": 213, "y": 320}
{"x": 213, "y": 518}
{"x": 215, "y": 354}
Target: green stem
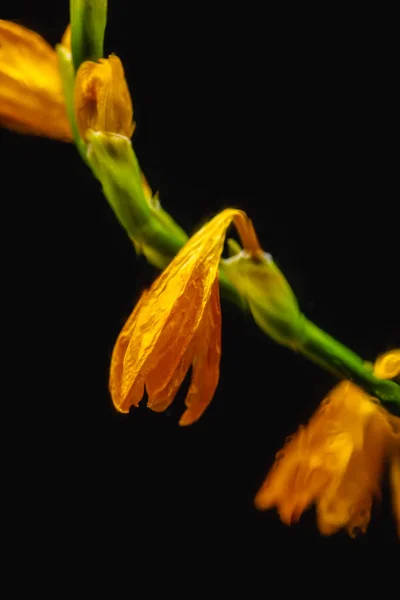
{"x": 88, "y": 22}
{"x": 67, "y": 73}
{"x": 333, "y": 356}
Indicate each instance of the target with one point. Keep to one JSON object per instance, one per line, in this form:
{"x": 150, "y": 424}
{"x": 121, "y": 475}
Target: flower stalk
{"x": 88, "y": 23}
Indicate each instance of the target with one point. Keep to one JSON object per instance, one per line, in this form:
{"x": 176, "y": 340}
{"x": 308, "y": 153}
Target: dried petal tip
{"x": 102, "y": 100}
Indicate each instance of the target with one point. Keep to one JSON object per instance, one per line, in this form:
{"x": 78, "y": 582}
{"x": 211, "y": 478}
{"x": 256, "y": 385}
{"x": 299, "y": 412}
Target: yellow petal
{"x": 31, "y": 95}
{"x": 387, "y": 366}
{"x": 102, "y": 100}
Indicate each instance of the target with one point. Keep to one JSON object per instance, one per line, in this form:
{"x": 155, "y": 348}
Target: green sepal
{"x": 270, "y": 298}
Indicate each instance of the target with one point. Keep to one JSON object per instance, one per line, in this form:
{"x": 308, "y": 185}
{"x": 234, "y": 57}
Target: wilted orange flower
{"x": 31, "y": 94}
{"x": 336, "y": 461}
{"x": 102, "y": 100}
{"x": 177, "y": 323}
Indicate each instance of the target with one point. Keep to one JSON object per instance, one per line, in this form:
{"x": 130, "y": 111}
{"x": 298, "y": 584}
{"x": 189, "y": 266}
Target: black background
{"x": 286, "y": 114}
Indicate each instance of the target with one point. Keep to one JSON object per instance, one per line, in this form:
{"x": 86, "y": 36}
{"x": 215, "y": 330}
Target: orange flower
{"x": 336, "y": 461}
{"x": 102, "y": 100}
{"x": 177, "y": 323}
{"x": 31, "y": 94}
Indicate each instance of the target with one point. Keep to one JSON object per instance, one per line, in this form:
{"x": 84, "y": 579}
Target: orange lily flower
{"x": 31, "y": 94}
{"x": 177, "y": 323}
{"x": 102, "y": 99}
{"x": 337, "y": 460}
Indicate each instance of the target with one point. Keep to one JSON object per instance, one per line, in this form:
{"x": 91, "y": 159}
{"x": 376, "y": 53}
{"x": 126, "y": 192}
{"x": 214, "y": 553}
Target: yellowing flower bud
{"x": 102, "y": 100}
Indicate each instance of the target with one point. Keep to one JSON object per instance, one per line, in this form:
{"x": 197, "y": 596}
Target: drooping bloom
{"x": 31, "y": 94}
{"x": 336, "y": 461}
{"x": 102, "y": 99}
{"x": 176, "y": 324}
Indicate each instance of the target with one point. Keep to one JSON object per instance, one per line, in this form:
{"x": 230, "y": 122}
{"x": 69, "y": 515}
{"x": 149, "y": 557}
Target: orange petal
{"x": 205, "y": 374}
{"x": 177, "y": 334}
{"x": 296, "y": 479}
{"x": 31, "y": 94}
{"x": 102, "y": 99}
{"x": 162, "y": 398}
{"x": 349, "y": 503}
